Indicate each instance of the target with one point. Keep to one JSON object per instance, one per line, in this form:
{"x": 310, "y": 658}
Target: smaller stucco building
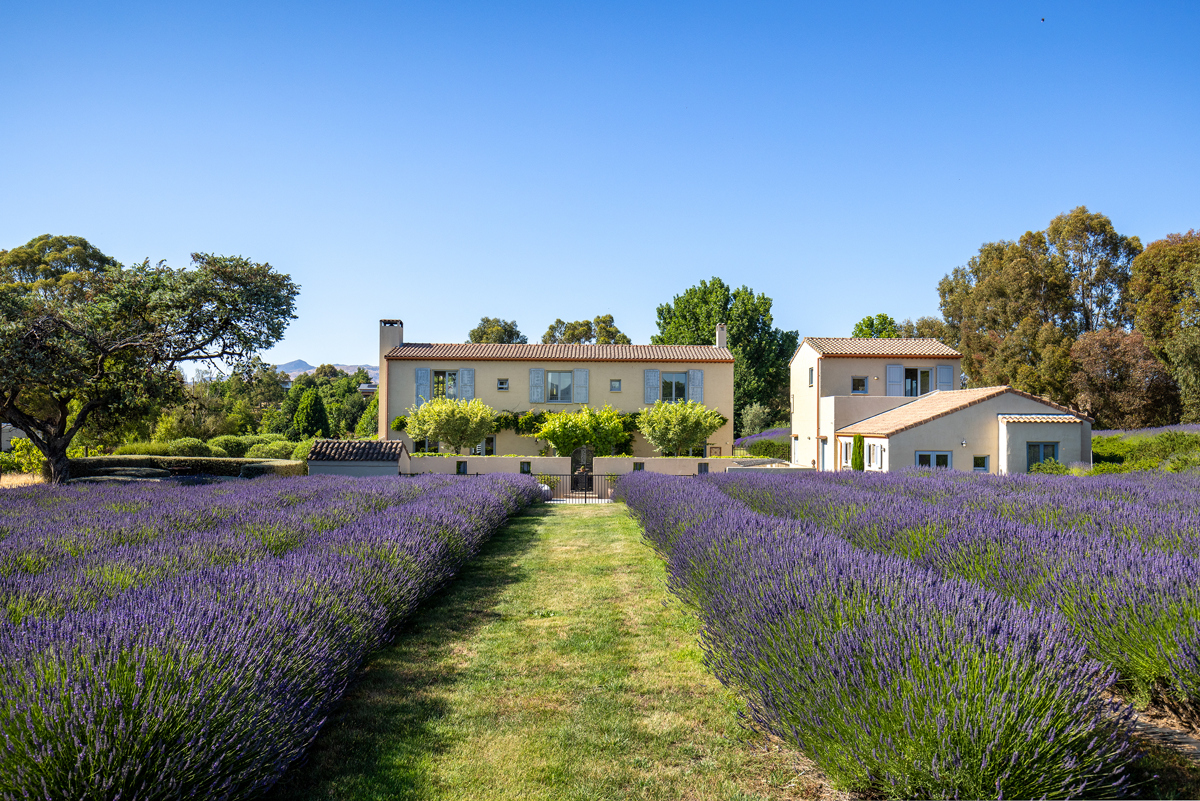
{"x": 348, "y": 457}
{"x": 988, "y": 430}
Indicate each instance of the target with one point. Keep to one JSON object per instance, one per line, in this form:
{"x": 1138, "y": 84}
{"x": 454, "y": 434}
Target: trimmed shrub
{"x": 217, "y": 452}
{"x": 244, "y": 468}
{"x": 189, "y": 446}
{"x": 234, "y": 446}
{"x": 144, "y": 449}
{"x": 272, "y": 450}
{"x": 300, "y": 454}
{"x": 769, "y": 449}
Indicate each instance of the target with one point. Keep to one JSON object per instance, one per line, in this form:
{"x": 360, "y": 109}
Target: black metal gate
{"x": 579, "y": 487}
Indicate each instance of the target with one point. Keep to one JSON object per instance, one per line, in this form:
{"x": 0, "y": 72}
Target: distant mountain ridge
{"x": 300, "y": 367}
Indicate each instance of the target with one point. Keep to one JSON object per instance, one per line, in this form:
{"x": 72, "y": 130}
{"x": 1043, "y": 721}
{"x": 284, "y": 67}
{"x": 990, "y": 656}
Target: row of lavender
{"x": 188, "y": 643}
{"x": 1117, "y": 557}
{"x": 894, "y": 678}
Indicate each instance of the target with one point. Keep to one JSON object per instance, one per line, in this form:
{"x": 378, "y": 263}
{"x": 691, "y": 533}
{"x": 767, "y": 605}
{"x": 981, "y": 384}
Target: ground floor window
{"x": 875, "y": 455}
{"x": 1041, "y": 451}
{"x": 847, "y": 451}
{"x": 485, "y": 448}
{"x": 980, "y": 464}
{"x": 935, "y": 459}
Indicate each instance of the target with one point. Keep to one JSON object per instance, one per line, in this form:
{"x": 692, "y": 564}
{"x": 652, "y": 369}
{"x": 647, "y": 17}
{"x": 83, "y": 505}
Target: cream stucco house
{"x": 520, "y": 378}
{"x": 904, "y": 397}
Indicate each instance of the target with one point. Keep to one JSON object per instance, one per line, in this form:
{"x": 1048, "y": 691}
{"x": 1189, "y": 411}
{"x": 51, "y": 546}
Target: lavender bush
{"x": 1117, "y": 556}
{"x": 188, "y": 643}
{"x": 896, "y": 679}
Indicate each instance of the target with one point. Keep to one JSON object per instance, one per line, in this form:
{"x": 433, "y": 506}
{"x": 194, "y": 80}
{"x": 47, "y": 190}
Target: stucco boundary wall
{"x": 485, "y": 465}
{"x": 560, "y": 465}
{"x": 353, "y": 468}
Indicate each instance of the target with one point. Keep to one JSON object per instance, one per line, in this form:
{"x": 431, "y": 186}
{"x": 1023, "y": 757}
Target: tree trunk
{"x": 59, "y": 464}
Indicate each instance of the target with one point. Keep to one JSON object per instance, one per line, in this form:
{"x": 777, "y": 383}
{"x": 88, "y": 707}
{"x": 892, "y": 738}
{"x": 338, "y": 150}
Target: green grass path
{"x": 556, "y": 666}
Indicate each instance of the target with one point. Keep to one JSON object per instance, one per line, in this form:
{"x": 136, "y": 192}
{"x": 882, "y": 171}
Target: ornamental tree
{"x": 881, "y": 326}
{"x": 857, "y": 460}
{"x": 312, "y": 419}
{"x": 678, "y": 427}
{"x": 602, "y": 429}
{"x": 458, "y": 423}
{"x": 87, "y": 342}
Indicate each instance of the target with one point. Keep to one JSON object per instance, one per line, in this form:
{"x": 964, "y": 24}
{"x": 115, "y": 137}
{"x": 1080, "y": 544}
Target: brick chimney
{"x": 391, "y": 335}
{"x": 721, "y": 335}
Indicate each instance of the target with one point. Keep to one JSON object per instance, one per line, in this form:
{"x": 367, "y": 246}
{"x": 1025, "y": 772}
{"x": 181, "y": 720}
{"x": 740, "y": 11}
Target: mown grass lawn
{"x": 556, "y": 666}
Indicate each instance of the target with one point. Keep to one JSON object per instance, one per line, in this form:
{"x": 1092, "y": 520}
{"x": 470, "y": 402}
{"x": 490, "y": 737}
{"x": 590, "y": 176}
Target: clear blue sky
{"x": 443, "y": 161}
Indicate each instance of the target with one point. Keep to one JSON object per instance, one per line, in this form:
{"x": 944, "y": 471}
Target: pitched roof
{"x": 1040, "y": 418}
{"x": 352, "y": 450}
{"x": 429, "y": 351}
{"x": 939, "y": 404}
{"x": 861, "y": 346}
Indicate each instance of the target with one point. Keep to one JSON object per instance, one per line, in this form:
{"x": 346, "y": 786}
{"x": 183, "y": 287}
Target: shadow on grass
{"x": 379, "y": 741}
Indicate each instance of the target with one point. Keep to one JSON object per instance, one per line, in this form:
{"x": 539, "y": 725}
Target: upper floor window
{"x": 810, "y": 376}
{"x": 502, "y": 384}
{"x": 674, "y": 387}
{"x": 445, "y": 384}
{"x": 858, "y": 385}
{"x": 558, "y": 386}
{"x": 917, "y": 382}
{"x": 614, "y": 385}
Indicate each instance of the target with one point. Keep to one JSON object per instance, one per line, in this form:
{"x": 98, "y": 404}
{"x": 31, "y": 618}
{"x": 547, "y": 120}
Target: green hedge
{"x": 770, "y": 449}
{"x": 242, "y": 468}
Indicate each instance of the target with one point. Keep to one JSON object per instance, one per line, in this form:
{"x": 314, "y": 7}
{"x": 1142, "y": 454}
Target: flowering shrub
{"x": 162, "y": 642}
{"x": 1117, "y": 556}
{"x": 896, "y": 679}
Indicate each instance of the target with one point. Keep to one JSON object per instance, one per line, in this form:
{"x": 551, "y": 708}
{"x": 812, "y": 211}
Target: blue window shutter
{"x": 945, "y": 377}
{"x": 653, "y": 387}
{"x": 895, "y": 380}
{"x": 696, "y": 386}
{"x": 466, "y": 383}
{"x": 581, "y": 385}
{"x": 537, "y": 385}
{"x": 422, "y": 385}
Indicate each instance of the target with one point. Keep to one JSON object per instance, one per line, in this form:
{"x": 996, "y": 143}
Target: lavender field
{"x": 945, "y": 634}
{"x": 187, "y": 642}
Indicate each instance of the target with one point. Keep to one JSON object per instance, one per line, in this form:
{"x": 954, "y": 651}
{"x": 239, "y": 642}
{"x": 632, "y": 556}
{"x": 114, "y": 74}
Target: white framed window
{"x": 810, "y": 376}
{"x": 980, "y": 464}
{"x": 858, "y": 385}
{"x": 847, "y": 451}
{"x": 870, "y": 455}
{"x": 558, "y": 386}
{"x": 614, "y": 385}
{"x": 502, "y": 384}
{"x": 935, "y": 459}
{"x": 674, "y": 387}
{"x": 445, "y": 384}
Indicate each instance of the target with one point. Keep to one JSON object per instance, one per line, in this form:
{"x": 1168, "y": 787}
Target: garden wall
{"x": 443, "y": 465}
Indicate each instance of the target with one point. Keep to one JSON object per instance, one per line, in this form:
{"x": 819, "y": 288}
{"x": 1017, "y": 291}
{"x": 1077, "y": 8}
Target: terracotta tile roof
{"x": 939, "y": 404}
{"x": 432, "y": 351}
{"x": 857, "y": 346}
{"x": 355, "y": 450}
{"x": 1040, "y": 418}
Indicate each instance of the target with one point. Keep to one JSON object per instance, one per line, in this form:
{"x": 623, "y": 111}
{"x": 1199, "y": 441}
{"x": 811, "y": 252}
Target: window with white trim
{"x": 847, "y": 451}
{"x": 810, "y": 376}
{"x": 558, "y": 386}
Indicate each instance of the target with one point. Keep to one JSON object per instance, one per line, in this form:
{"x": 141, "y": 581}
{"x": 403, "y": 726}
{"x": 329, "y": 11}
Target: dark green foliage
{"x": 881, "y": 326}
{"x": 368, "y": 421}
{"x": 311, "y": 418}
{"x": 493, "y": 330}
{"x": 188, "y": 446}
{"x": 87, "y": 343}
{"x": 272, "y": 450}
{"x": 1050, "y": 467}
{"x": 300, "y": 454}
{"x": 769, "y": 449}
{"x": 244, "y": 468}
{"x": 762, "y": 352}
{"x": 600, "y": 331}
{"x": 857, "y": 456}
{"x": 234, "y": 446}
{"x": 756, "y": 418}
{"x": 400, "y": 423}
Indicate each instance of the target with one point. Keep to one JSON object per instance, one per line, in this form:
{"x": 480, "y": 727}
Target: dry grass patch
{"x": 582, "y": 681}
{"x": 19, "y": 479}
